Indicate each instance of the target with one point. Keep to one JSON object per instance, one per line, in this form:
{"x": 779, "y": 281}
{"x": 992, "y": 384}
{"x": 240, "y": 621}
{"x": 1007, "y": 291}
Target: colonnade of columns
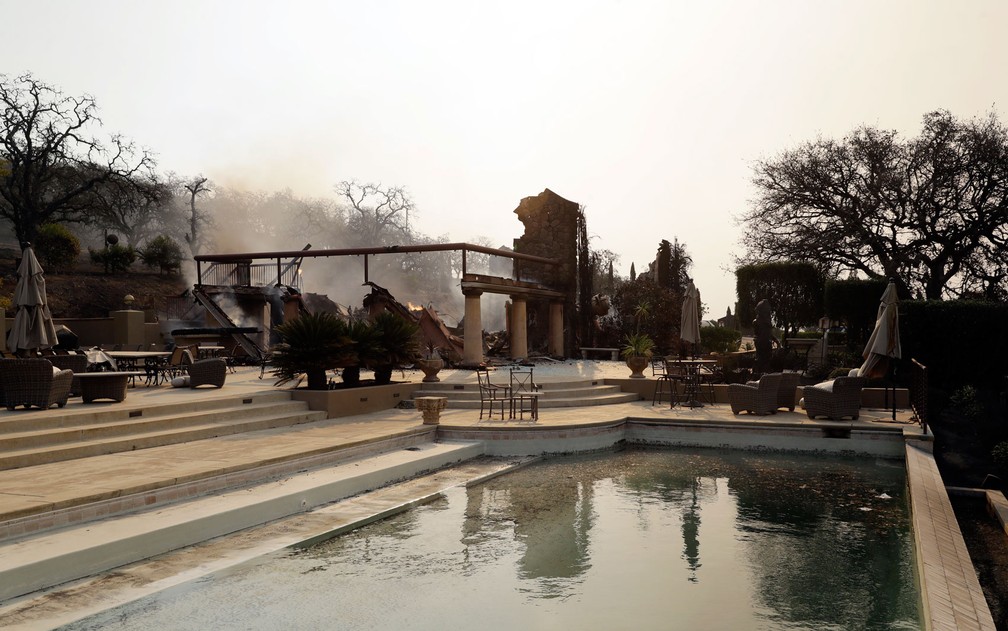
{"x": 473, "y": 328}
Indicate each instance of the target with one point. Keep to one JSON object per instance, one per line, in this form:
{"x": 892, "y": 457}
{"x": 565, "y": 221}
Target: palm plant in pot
{"x": 637, "y": 351}
{"x": 396, "y": 339}
{"x": 638, "y": 347}
{"x": 311, "y": 345}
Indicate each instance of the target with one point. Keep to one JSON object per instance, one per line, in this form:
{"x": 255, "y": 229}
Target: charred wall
{"x": 551, "y": 225}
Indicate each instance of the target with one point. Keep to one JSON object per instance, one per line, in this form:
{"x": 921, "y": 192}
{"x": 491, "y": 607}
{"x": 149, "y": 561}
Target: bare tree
{"x": 376, "y": 214}
{"x": 133, "y": 207}
{"x": 53, "y": 162}
{"x": 197, "y": 219}
{"x": 931, "y": 212}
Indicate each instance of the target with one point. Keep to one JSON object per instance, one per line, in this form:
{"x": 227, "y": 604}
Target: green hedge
{"x": 856, "y": 303}
{"x": 719, "y": 339}
{"x": 960, "y": 341}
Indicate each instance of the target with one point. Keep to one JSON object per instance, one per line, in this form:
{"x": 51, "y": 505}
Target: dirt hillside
{"x": 90, "y": 293}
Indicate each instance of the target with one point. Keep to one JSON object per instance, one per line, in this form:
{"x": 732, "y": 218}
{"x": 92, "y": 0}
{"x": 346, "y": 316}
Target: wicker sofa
{"x": 842, "y": 399}
{"x": 755, "y": 399}
{"x": 33, "y": 383}
{"x": 205, "y": 372}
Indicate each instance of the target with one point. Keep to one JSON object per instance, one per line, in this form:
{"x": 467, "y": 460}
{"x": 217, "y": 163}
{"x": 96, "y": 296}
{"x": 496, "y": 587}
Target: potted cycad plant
{"x": 396, "y": 338}
{"x": 367, "y": 348}
{"x": 312, "y": 344}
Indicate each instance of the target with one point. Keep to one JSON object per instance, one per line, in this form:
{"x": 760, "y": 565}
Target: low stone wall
{"x": 870, "y": 397}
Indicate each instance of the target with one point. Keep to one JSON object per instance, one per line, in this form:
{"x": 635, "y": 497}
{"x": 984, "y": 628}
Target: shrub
{"x": 162, "y": 252}
{"x": 719, "y": 339}
{"x": 965, "y": 400}
{"x": 117, "y": 258}
{"x": 56, "y": 247}
{"x": 1000, "y": 454}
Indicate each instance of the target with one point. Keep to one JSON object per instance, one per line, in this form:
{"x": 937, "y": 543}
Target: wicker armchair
{"x": 76, "y": 363}
{"x": 755, "y": 399}
{"x": 32, "y": 382}
{"x": 786, "y": 390}
{"x": 843, "y": 400}
{"x": 205, "y": 372}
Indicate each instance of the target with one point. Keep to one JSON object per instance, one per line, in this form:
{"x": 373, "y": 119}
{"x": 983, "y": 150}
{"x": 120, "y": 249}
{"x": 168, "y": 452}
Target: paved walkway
{"x": 44, "y": 488}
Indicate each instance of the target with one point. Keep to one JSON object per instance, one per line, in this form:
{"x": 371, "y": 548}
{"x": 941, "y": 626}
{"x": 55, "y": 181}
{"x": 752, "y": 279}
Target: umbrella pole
{"x": 891, "y": 380}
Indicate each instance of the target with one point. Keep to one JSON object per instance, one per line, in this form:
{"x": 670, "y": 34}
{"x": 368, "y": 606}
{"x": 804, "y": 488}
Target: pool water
{"x": 641, "y": 539}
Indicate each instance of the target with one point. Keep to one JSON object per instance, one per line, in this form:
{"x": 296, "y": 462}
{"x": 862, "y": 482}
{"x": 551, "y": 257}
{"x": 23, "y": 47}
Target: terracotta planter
{"x": 430, "y": 368}
{"x": 637, "y": 366}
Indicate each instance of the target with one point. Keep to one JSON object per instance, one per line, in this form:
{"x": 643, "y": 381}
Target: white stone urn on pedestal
{"x": 430, "y": 368}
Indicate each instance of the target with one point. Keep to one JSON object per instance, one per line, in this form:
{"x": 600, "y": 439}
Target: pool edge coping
{"x": 950, "y": 590}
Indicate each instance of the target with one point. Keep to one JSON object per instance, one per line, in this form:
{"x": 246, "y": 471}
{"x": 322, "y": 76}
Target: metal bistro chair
{"x": 524, "y": 391}
{"x": 491, "y": 394}
{"x": 707, "y": 376}
{"x": 181, "y": 357}
{"x": 672, "y": 374}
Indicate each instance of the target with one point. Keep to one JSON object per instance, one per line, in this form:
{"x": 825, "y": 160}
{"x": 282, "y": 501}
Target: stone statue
{"x": 763, "y": 336}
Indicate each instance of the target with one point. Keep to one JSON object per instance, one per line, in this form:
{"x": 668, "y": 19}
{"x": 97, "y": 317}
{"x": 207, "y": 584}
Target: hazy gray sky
{"x": 650, "y": 114}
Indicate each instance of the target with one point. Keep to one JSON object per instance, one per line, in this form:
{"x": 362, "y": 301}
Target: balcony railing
{"x": 919, "y": 392}
{"x": 251, "y": 275}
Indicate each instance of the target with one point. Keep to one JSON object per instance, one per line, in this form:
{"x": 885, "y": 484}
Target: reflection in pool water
{"x": 640, "y": 539}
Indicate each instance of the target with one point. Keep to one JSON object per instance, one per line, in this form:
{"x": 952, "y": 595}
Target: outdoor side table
{"x": 105, "y": 385}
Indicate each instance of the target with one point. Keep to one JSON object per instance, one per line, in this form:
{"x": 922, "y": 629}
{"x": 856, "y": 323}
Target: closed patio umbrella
{"x": 884, "y": 343}
{"x": 689, "y": 324}
{"x": 33, "y": 326}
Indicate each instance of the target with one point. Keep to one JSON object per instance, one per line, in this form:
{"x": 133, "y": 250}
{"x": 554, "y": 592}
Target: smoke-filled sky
{"x": 650, "y": 114}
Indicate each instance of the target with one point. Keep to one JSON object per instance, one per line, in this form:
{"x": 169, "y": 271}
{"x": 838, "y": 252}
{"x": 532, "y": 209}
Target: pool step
{"x": 551, "y": 395}
{"x": 50, "y": 558}
{"x": 85, "y": 435}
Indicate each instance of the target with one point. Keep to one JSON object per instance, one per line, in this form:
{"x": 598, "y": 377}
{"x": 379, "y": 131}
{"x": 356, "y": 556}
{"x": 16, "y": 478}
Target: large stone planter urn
{"x": 431, "y": 408}
{"x": 430, "y": 368}
{"x": 637, "y": 365}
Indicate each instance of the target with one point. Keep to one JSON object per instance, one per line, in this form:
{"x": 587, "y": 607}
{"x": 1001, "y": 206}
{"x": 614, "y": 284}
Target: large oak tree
{"x": 931, "y": 211}
{"x": 54, "y": 159}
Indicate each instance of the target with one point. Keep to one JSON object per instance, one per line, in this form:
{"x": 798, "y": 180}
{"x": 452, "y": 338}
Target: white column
{"x": 472, "y": 350}
{"x": 519, "y": 328}
{"x": 556, "y": 337}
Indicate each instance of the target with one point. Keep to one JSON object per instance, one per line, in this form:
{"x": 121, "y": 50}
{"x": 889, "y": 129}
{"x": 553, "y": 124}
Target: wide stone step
{"x": 545, "y": 394}
{"x": 474, "y": 387}
{"x": 37, "y": 438}
{"x": 606, "y": 399}
{"x": 237, "y": 423}
{"x": 54, "y": 557}
{"x": 24, "y": 421}
{"x": 556, "y": 394}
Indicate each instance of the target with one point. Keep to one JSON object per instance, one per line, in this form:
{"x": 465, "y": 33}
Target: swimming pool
{"x": 645, "y": 539}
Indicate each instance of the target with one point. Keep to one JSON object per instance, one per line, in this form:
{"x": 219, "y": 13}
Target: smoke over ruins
{"x": 364, "y": 215}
